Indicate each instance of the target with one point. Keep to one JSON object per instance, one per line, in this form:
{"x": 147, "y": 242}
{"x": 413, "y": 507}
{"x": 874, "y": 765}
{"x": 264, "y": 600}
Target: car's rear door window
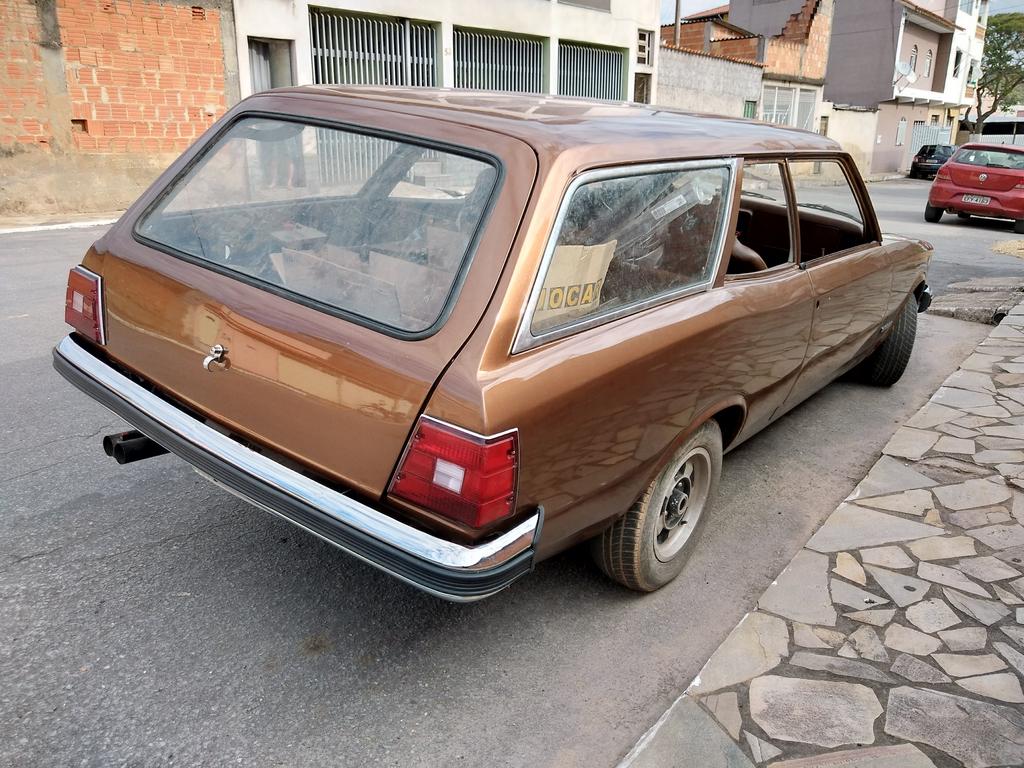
{"x": 763, "y": 224}
{"x": 376, "y": 227}
{"x": 829, "y": 214}
{"x": 629, "y": 237}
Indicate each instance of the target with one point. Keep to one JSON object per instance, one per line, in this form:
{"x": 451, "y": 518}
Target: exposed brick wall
{"x": 799, "y": 24}
{"x": 802, "y": 50}
{"x": 690, "y": 35}
{"x": 144, "y": 77}
{"x": 724, "y": 40}
{"x": 141, "y": 76}
{"x": 744, "y": 48}
{"x": 23, "y": 111}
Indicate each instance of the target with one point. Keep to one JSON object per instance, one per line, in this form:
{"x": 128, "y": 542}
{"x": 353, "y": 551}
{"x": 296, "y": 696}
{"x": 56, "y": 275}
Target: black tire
{"x": 932, "y": 214}
{"x": 963, "y": 215}
{"x": 1018, "y": 227}
{"x": 627, "y": 552}
{"x": 913, "y": 173}
{"x": 886, "y": 365}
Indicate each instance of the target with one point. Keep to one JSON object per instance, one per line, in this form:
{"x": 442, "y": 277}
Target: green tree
{"x": 1002, "y": 68}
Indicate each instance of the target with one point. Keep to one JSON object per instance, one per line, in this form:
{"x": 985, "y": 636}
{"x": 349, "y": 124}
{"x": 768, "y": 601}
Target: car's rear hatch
{"x": 986, "y": 176}
{"x": 332, "y": 349}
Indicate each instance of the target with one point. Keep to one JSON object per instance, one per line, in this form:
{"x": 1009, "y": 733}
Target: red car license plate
{"x": 977, "y": 199}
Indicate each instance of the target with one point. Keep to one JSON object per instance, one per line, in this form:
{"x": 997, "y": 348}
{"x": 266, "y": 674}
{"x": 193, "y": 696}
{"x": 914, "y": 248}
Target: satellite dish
{"x": 912, "y": 78}
{"x": 903, "y": 68}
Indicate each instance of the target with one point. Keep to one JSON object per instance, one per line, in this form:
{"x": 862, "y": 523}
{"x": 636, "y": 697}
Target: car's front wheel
{"x": 932, "y": 214}
{"x": 648, "y": 546}
{"x": 886, "y": 365}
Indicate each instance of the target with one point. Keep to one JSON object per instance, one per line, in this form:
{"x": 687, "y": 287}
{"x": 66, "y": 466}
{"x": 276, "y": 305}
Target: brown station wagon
{"x": 454, "y": 333}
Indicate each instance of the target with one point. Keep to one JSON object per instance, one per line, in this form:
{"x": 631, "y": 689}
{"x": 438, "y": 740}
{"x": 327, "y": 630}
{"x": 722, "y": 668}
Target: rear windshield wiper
{"x": 829, "y": 209}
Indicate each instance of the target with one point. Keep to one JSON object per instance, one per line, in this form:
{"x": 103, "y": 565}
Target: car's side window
{"x": 830, "y": 218}
{"x": 762, "y": 229}
{"x": 629, "y": 238}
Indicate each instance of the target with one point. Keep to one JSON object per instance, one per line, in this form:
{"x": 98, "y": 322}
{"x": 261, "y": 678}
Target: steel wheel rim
{"x": 682, "y": 504}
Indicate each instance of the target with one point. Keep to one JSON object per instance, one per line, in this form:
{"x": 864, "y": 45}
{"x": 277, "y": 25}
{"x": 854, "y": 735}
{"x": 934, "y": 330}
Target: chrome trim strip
{"x": 346, "y": 510}
{"x": 525, "y": 338}
{"x": 470, "y": 432}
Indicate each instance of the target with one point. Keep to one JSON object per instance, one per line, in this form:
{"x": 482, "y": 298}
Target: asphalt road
{"x": 963, "y": 247}
{"x": 149, "y": 618}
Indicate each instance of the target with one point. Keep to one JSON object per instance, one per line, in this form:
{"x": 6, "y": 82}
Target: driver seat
{"x": 745, "y": 260}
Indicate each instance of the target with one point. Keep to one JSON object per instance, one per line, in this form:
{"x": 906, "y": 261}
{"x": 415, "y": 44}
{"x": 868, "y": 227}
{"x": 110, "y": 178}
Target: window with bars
{"x": 590, "y": 71}
{"x": 805, "y": 109}
{"x": 777, "y": 104}
{"x": 371, "y": 50}
{"x": 498, "y": 62}
{"x": 901, "y": 132}
{"x": 750, "y": 109}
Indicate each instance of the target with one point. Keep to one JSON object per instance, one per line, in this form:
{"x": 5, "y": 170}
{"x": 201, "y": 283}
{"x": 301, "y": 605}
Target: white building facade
{"x": 595, "y": 48}
{"x": 914, "y": 63}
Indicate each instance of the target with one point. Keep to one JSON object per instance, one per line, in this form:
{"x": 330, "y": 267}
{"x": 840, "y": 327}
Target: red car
{"x": 980, "y": 180}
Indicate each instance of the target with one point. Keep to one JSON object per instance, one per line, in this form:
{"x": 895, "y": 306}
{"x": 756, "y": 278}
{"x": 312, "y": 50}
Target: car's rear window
{"x": 372, "y": 226}
{"x": 990, "y": 158}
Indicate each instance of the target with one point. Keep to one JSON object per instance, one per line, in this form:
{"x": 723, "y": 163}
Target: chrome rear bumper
{"x": 443, "y": 568}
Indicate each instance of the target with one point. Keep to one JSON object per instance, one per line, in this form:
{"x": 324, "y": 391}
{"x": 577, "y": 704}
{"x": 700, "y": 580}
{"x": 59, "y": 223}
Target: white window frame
{"x": 809, "y": 124}
{"x": 769, "y": 106}
{"x": 645, "y": 47}
{"x": 901, "y": 132}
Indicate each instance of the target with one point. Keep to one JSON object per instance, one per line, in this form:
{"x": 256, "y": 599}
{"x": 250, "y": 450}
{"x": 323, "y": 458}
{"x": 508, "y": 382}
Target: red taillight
{"x": 83, "y": 304}
{"x": 459, "y": 475}
{"x": 942, "y": 174}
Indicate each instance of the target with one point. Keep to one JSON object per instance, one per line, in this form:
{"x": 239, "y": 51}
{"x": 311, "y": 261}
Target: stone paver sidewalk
{"x": 895, "y": 637}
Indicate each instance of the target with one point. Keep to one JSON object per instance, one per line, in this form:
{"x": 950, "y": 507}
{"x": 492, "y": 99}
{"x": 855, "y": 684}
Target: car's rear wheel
{"x": 913, "y": 173}
{"x": 932, "y": 214}
{"x": 886, "y": 365}
{"x": 648, "y": 546}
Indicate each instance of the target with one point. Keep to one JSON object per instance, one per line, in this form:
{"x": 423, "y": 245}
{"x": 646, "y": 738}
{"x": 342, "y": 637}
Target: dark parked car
{"x": 929, "y": 159}
{"x": 980, "y": 180}
{"x": 453, "y": 333}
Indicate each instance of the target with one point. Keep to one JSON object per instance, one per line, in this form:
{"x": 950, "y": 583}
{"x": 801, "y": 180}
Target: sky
{"x": 668, "y": 7}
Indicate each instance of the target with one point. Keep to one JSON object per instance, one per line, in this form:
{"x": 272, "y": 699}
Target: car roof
{"x": 565, "y": 122}
{"x": 996, "y": 147}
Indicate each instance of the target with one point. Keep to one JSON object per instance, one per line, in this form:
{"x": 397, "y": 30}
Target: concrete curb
{"x": 83, "y": 224}
{"x": 984, "y": 300}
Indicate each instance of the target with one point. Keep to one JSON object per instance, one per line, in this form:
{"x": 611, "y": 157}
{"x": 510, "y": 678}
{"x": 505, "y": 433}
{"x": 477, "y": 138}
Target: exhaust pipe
{"x": 126, "y": 447}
